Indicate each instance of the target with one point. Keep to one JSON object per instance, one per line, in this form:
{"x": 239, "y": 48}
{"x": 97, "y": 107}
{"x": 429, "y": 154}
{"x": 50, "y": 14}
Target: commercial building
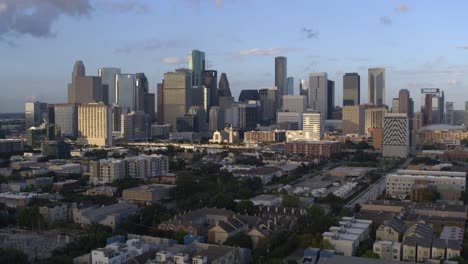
{"x": 432, "y": 105}
{"x": 395, "y": 141}
{"x": 376, "y": 86}
{"x": 330, "y": 99}
{"x": 95, "y": 125}
{"x": 35, "y": 113}
{"x": 294, "y": 103}
{"x": 160, "y": 131}
{"x": 216, "y": 119}
{"x": 264, "y": 136}
{"x": 313, "y": 149}
{"x": 55, "y": 149}
{"x": 84, "y": 89}
{"x": 248, "y": 115}
{"x": 351, "y": 89}
{"x": 346, "y": 237}
{"x": 289, "y": 119}
{"x": 107, "y": 75}
{"x": 197, "y": 65}
{"x": 210, "y": 81}
{"x": 353, "y": 119}
{"x": 11, "y": 146}
{"x": 290, "y": 85}
{"x": 177, "y": 89}
{"x": 318, "y": 93}
{"x": 66, "y": 119}
{"x": 147, "y": 193}
{"x": 447, "y": 183}
{"x": 281, "y": 73}
{"x": 439, "y": 133}
{"x": 313, "y": 125}
{"x": 374, "y": 118}
{"x": 269, "y": 105}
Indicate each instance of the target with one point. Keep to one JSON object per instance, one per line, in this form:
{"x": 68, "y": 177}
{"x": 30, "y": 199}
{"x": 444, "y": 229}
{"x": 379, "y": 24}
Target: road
{"x": 376, "y": 189}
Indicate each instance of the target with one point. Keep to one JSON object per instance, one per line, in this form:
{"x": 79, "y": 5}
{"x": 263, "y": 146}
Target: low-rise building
{"x": 391, "y": 230}
{"x": 264, "y": 136}
{"x": 347, "y": 236}
{"x": 102, "y": 190}
{"x": 119, "y": 253}
{"x": 265, "y": 173}
{"x": 149, "y": 193}
{"x": 388, "y": 250}
{"x": 68, "y": 185}
{"x": 55, "y": 212}
{"x": 267, "y": 200}
{"x": 313, "y": 149}
{"x": 110, "y": 215}
{"x": 106, "y": 171}
{"x": 18, "y": 199}
{"x": 66, "y": 169}
{"x": 226, "y": 229}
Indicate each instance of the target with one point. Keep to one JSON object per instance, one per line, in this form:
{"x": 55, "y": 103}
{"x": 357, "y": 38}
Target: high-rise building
{"x": 330, "y": 98}
{"x": 249, "y": 95}
{"x": 216, "y": 119}
{"x": 50, "y": 115}
{"x": 248, "y": 116}
{"x": 312, "y": 125}
{"x": 395, "y": 141}
{"x": 35, "y": 113}
{"x": 66, "y": 119}
{"x": 449, "y": 113}
{"x": 225, "y": 99}
{"x": 210, "y": 80}
{"x": 141, "y": 88}
{"x": 376, "y": 86}
{"x": 353, "y": 119}
{"x": 160, "y": 105}
{"x": 95, "y": 124}
{"x": 201, "y": 96}
{"x": 200, "y": 115}
{"x": 84, "y": 89}
{"x": 418, "y": 120}
{"x": 395, "y": 105}
{"x": 351, "y": 89}
{"x": 289, "y": 120}
{"x": 374, "y": 118}
{"x": 304, "y": 90}
{"x": 294, "y": 103}
{"x": 404, "y": 102}
{"x": 177, "y": 91}
{"x": 466, "y": 106}
{"x": 432, "y": 105}
{"x": 125, "y": 86}
{"x": 134, "y": 126}
{"x": 268, "y": 105}
{"x": 107, "y": 75}
{"x": 318, "y": 93}
{"x": 197, "y": 65}
{"x": 149, "y": 106}
{"x": 281, "y": 73}
{"x": 290, "y": 85}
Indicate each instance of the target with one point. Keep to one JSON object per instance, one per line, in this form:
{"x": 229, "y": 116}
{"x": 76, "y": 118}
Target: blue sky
{"x": 420, "y": 43}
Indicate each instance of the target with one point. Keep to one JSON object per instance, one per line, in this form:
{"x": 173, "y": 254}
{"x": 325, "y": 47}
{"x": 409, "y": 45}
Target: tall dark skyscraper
{"x": 351, "y": 89}
{"x": 78, "y": 70}
{"x": 223, "y": 87}
{"x": 160, "y": 105}
{"x": 210, "y": 80}
{"x": 376, "y": 86}
{"x": 197, "y": 64}
{"x": 107, "y": 75}
{"x": 330, "y": 98}
{"x": 281, "y": 77}
{"x": 249, "y": 95}
{"x": 141, "y": 88}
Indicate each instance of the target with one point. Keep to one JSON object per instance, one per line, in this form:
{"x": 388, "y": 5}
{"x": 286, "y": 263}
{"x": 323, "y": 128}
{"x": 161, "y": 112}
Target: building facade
{"x": 351, "y": 89}
{"x": 353, "y": 119}
{"x": 376, "y": 86}
{"x": 318, "y": 92}
{"x": 395, "y": 136}
{"x": 95, "y": 124}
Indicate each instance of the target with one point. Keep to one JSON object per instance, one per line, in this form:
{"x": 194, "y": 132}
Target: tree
{"x": 239, "y": 240}
{"x": 30, "y": 217}
{"x": 246, "y": 207}
{"x": 370, "y": 254}
{"x": 290, "y": 201}
{"x": 12, "y": 255}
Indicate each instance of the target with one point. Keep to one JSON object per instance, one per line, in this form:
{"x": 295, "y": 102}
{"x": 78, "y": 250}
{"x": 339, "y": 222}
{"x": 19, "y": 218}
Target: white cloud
{"x": 174, "y": 60}
{"x": 454, "y": 82}
{"x": 462, "y": 47}
{"x": 263, "y": 51}
{"x": 401, "y": 8}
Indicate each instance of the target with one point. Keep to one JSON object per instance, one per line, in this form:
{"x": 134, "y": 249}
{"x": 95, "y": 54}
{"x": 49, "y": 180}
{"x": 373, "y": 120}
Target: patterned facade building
{"x": 395, "y": 136}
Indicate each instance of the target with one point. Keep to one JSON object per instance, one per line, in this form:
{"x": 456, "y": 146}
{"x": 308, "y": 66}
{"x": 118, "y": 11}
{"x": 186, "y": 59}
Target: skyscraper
{"x": 395, "y": 105}
{"x": 330, "y": 98}
{"x": 141, "y": 88}
{"x": 35, "y": 113}
{"x": 107, "y": 75}
{"x": 177, "y": 90}
{"x": 395, "y": 141}
{"x": 216, "y": 119}
{"x": 225, "y": 99}
{"x": 249, "y": 95}
{"x": 404, "y": 102}
{"x": 294, "y": 103}
{"x": 290, "y": 85}
{"x": 304, "y": 90}
{"x": 197, "y": 65}
{"x": 84, "y": 89}
{"x": 449, "y": 113}
{"x": 125, "y": 86}
{"x": 268, "y": 103}
{"x": 66, "y": 119}
{"x": 95, "y": 125}
{"x": 353, "y": 119}
{"x": 351, "y": 89}
{"x": 432, "y": 105}
{"x": 312, "y": 125}
{"x": 318, "y": 93}
{"x": 280, "y": 76}
{"x": 248, "y": 116}
{"x": 160, "y": 105}
{"x": 376, "y": 86}
{"x": 374, "y": 118}
{"x": 210, "y": 80}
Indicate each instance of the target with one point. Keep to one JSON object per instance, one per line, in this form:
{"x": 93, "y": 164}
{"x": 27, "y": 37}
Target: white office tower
{"x": 95, "y": 125}
{"x": 312, "y": 125}
{"x": 395, "y": 141}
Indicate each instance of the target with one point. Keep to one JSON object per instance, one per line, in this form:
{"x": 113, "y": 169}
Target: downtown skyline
{"x": 416, "y": 53}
